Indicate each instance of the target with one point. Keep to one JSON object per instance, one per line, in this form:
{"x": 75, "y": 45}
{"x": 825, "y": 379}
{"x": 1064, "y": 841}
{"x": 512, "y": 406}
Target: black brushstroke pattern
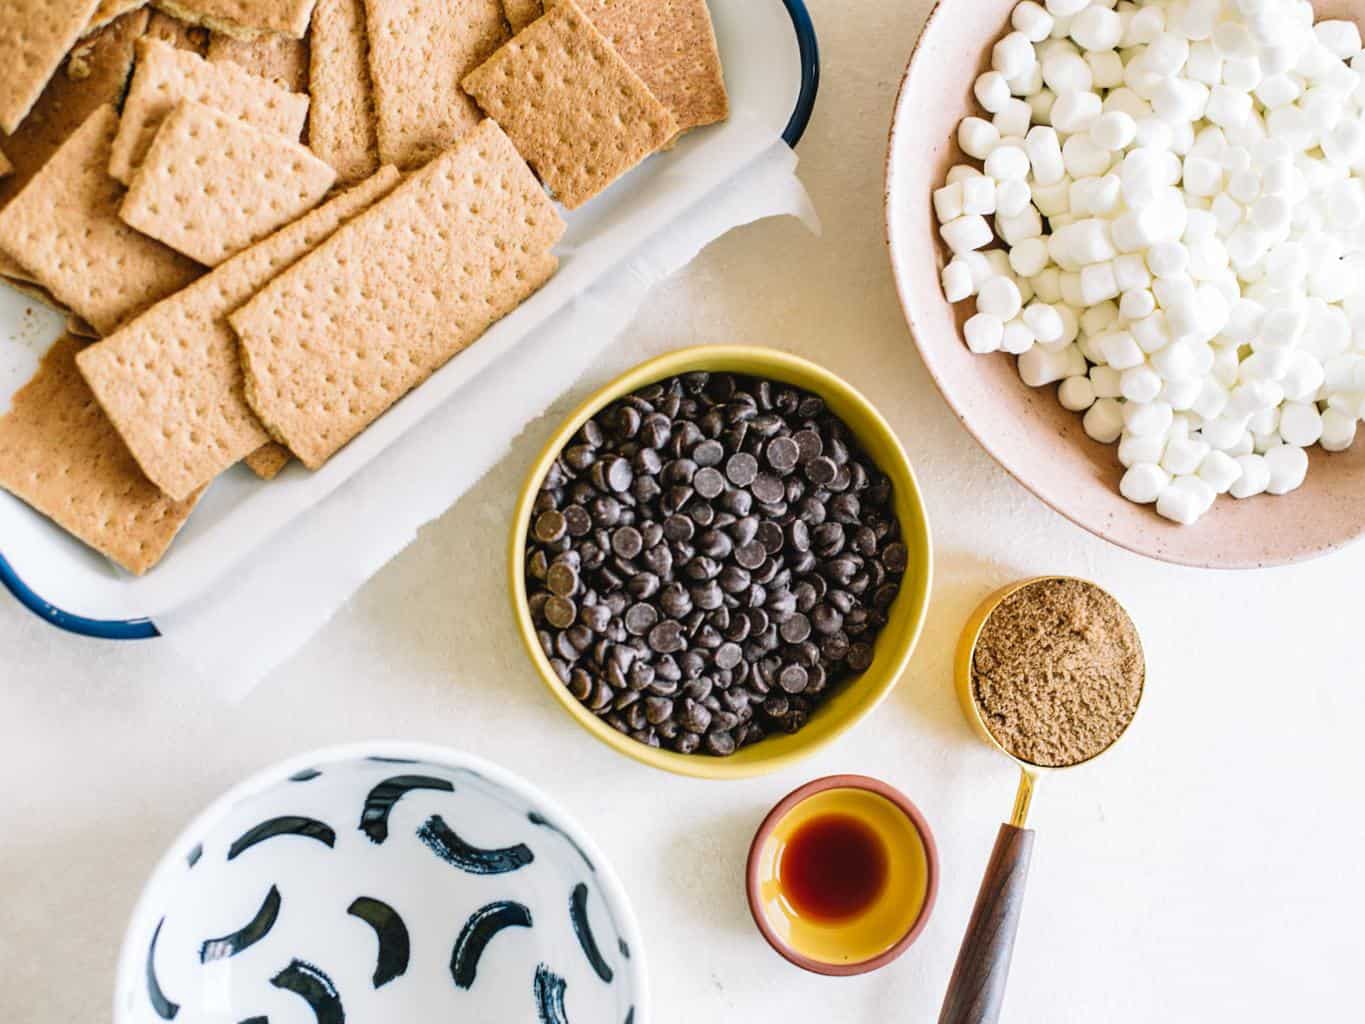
{"x": 248, "y": 935}
{"x": 374, "y": 820}
{"x": 307, "y": 775}
{"x": 394, "y": 946}
{"x": 196, "y": 851}
{"x": 266, "y": 1020}
{"x": 442, "y": 841}
{"x": 289, "y": 825}
{"x": 549, "y": 991}
{"x": 625, "y": 950}
{"x": 478, "y": 931}
{"x": 630, "y": 1016}
{"x": 315, "y": 988}
{"x": 539, "y": 819}
{"x": 578, "y": 915}
{"x": 165, "y": 1009}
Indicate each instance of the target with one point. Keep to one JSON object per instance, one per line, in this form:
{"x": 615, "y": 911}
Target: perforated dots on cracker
{"x": 341, "y": 129}
{"x": 276, "y": 58}
{"x": 212, "y": 185}
{"x": 34, "y": 37}
{"x": 576, "y": 111}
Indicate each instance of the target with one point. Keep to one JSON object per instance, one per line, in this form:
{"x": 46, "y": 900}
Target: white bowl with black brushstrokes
{"x": 384, "y": 882}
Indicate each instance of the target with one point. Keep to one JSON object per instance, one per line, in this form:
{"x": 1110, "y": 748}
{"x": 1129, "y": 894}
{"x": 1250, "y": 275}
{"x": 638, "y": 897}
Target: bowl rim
{"x": 784, "y": 807}
{"x": 130, "y": 964}
{"x": 759, "y": 360}
{"x": 895, "y": 244}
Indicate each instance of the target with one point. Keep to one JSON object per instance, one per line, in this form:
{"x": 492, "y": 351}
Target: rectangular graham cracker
{"x": 166, "y": 76}
{"x": 245, "y": 19}
{"x": 62, "y": 456}
{"x": 107, "y": 11}
{"x": 418, "y": 54}
{"x": 212, "y": 185}
{"x": 578, "y": 114}
{"x": 277, "y": 58}
{"x": 65, "y": 230}
{"x": 95, "y": 74}
{"x": 180, "y": 34}
{"x": 671, "y": 45}
{"x": 268, "y": 460}
{"x": 35, "y": 36}
{"x": 333, "y": 342}
{"x": 171, "y": 381}
{"x": 520, "y": 13}
{"x": 341, "y": 128}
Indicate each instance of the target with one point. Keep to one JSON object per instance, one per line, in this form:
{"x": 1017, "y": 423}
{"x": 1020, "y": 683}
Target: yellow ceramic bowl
{"x": 854, "y": 699}
{"x": 896, "y": 917}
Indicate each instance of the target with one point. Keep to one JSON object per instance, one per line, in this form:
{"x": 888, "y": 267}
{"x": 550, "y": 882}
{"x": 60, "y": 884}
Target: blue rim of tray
{"x": 145, "y": 629}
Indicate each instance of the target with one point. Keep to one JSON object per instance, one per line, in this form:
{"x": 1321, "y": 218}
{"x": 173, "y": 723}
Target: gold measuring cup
{"x": 976, "y": 991}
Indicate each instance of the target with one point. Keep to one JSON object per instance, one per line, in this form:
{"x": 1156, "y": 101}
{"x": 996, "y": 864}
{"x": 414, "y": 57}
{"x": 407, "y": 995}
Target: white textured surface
{"x": 1203, "y": 872}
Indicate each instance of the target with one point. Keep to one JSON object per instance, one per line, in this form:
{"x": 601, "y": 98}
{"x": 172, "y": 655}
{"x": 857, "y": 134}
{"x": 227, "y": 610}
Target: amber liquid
{"x": 833, "y": 868}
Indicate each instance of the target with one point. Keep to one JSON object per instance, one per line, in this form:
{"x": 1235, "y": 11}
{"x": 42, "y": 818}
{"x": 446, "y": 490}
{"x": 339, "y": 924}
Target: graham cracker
{"x": 576, "y": 111}
{"x": 65, "y": 230}
{"x": 96, "y": 74}
{"x": 277, "y": 58}
{"x": 419, "y": 51}
{"x": 107, "y": 11}
{"x": 22, "y": 282}
{"x": 671, "y": 45}
{"x": 520, "y": 13}
{"x": 341, "y": 128}
{"x": 80, "y": 329}
{"x": 268, "y": 460}
{"x": 245, "y": 19}
{"x": 171, "y": 381}
{"x": 212, "y": 185}
{"x": 166, "y": 76}
{"x": 6, "y": 168}
{"x": 332, "y": 343}
{"x": 60, "y": 455}
{"x": 35, "y": 35}
{"x": 180, "y": 34}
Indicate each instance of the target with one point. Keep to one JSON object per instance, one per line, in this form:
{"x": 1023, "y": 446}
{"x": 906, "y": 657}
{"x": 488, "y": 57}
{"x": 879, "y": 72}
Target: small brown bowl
{"x": 1041, "y": 444}
{"x": 897, "y": 916}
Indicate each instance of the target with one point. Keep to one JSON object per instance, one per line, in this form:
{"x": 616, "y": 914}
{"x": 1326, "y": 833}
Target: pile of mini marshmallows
{"x": 1178, "y": 184}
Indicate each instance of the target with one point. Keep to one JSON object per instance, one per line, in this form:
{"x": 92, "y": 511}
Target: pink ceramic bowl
{"x": 1026, "y": 431}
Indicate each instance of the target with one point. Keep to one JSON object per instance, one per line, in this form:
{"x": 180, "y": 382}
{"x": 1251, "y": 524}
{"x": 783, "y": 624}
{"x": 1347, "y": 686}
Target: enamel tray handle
{"x": 976, "y": 990}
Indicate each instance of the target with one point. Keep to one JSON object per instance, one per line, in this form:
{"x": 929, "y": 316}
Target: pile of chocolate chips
{"x": 709, "y": 558}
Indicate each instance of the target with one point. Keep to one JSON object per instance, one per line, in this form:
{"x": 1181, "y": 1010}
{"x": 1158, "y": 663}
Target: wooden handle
{"x": 976, "y": 990}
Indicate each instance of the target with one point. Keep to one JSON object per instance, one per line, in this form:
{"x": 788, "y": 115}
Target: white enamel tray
{"x": 772, "y": 71}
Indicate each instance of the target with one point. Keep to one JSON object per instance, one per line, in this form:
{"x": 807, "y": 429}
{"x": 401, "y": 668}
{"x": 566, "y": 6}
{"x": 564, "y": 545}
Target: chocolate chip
{"x": 708, "y": 453}
{"x": 742, "y": 469}
{"x": 561, "y": 580}
{"x": 809, "y": 445}
{"x": 770, "y": 535}
{"x": 793, "y": 679}
{"x": 783, "y": 454}
{"x": 796, "y": 628}
{"x": 751, "y": 555}
{"x": 709, "y": 482}
{"x": 859, "y": 657}
{"x": 767, "y": 488}
{"x": 550, "y": 526}
{"x": 641, "y": 618}
{"x": 667, "y": 638}
{"x": 896, "y": 558}
{"x": 560, "y": 612}
{"x": 627, "y": 542}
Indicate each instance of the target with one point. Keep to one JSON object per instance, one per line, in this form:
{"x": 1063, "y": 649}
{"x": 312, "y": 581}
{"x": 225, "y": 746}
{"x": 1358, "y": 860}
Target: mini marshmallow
{"x": 1182, "y": 394}
{"x": 1338, "y": 431}
{"x": 1114, "y": 130}
{"x": 1046, "y": 283}
{"x": 1007, "y": 162}
{"x": 1135, "y": 448}
{"x": 1140, "y": 384}
{"x": 1030, "y": 20}
{"x": 1066, "y": 8}
{"x": 1220, "y": 471}
{"x": 1012, "y": 197}
{"x": 1131, "y": 272}
{"x": 1152, "y": 333}
{"x": 1228, "y": 106}
{"x": 1017, "y": 338}
{"x": 1045, "y": 322}
{"x": 961, "y": 173}
{"x": 1223, "y": 432}
{"x": 1083, "y": 159}
{"x": 1185, "y": 500}
{"x": 1106, "y": 68}
{"x": 1340, "y": 38}
{"x": 1137, "y": 304}
{"x": 1103, "y": 421}
{"x": 1184, "y": 456}
{"x": 984, "y": 333}
{"x": 977, "y": 138}
{"x": 1288, "y": 466}
{"x": 1120, "y": 350}
{"x": 1254, "y": 478}
{"x": 1045, "y": 155}
{"x": 1097, "y": 28}
{"x": 1030, "y": 257}
{"x": 948, "y": 202}
{"x": 1202, "y": 176}
{"x": 966, "y": 233}
{"x": 1144, "y": 483}
{"x": 957, "y": 281}
{"x": 1014, "y": 230}
{"x": 1300, "y": 423}
{"x": 1146, "y": 419}
{"x": 1082, "y": 243}
{"x": 1099, "y": 318}
{"x": 992, "y": 91}
{"x": 1013, "y": 55}
{"x": 1074, "y": 110}
{"x": 1168, "y": 259}
{"x": 1098, "y": 283}
{"x": 1040, "y": 366}
{"x": 1013, "y": 120}
{"x": 999, "y": 297}
{"x": 978, "y": 196}
{"x": 1105, "y": 380}
{"x": 1076, "y": 394}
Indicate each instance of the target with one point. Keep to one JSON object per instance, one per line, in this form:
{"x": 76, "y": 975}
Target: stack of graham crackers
{"x": 236, "y": 295}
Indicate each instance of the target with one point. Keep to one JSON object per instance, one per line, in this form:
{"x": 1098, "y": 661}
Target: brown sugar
{"x": 1057, "y": 672}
